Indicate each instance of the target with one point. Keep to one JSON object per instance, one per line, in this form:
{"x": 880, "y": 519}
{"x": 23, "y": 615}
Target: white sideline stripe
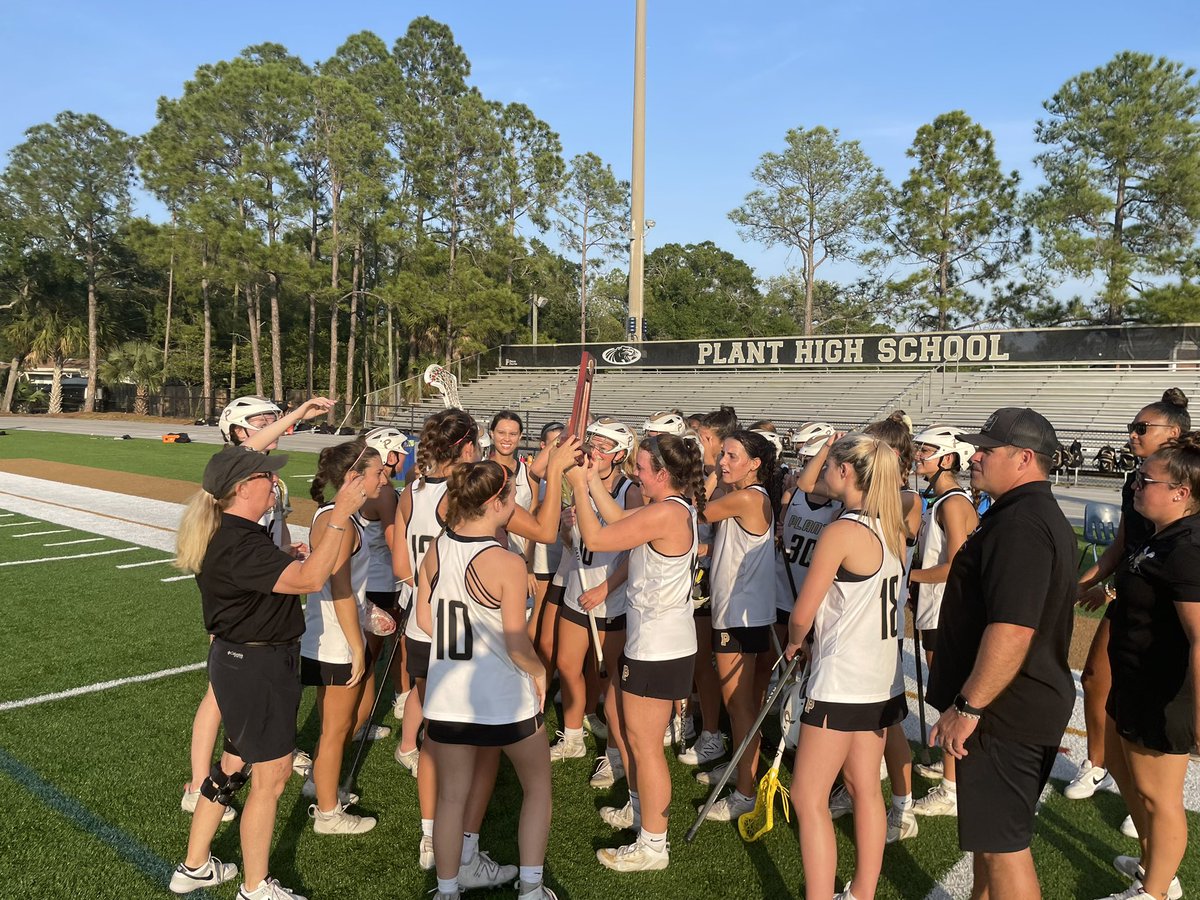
{"x": 956, "y": 883}
{"x": 99, "y": 686}
{"x": 40, "y": 533}
{"x": 18, "y": 524}
{"x": 177, "y": 578}
{"x": 7, "y": 515}
{"x": 26, "y": 562}
{"x": 153, "y": 562}
{"x": 80, "y": 541}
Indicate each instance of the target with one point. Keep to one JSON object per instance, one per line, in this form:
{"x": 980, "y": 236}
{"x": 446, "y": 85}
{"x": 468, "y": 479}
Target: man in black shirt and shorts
{"x": 1001, "y": 675}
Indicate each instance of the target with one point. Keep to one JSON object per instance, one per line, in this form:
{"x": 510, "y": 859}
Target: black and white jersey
{"x": 424, "y": 526}
{"x": 856, "y": 651}
{"x": 743, "y": 574}
{"x": 380, "y": 576}
{"x": 471, "y": 676}
{"x": 524, "y": 497}
{"x": 592, "y": 567}
{"x": 803, "y": 522}
{"x": 323, "y": 638}
{"x": 931, "y": 552}
{"x": 546, "y": 557}
{"x": 659, "y": 623}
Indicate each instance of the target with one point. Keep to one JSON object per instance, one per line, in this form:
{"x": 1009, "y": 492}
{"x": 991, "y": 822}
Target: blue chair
{"x": 1100, "y": 523}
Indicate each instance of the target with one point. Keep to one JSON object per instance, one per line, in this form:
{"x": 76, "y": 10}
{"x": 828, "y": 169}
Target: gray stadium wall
{"x": 1103, "y": 346}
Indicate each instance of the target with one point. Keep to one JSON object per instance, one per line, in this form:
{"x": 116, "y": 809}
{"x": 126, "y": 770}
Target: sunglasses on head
{"x": 1141, "y": 427}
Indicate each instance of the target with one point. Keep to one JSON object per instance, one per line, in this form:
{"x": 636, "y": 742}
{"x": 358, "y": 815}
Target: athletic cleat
{"x": 595, "y": 726}
{"x": 309, "y": 791}
{"x": 301, "y": 763}
{"x": 212, "y": 873}
{"x": 1128, "y": 828}
{"x": 606, "y": 774}
{"x": 268, "y": 890}
{"x": 902, "y": 825}
{"x": 1087, "y": 781}
{"x": 935, "y": 771}
{"x": 709, "y": 747}
{"x": 621, "y": 816}
{"x": 339, "y": 821}
{"x": 1133, "y": 892}
{"x": 845, "y": 895}
{"x": 398, "y": 705}
{"x": 713, "y": 775}
{"x": 425, "y": 853}
{"x": 191, "y": 798}
{"x": 409, "y": 760}
{"x": 1131, "y": 867}
{"x": 377, "y": 732}
{"x": 729, "y": 807}
{"x": 538, "y": 892}
{"x": 566, "y": 749}
{"x": 938, "y": 802}
{"x": 438, "y": 895}
{"x": 840, "y": 802}
{"x": 635, "y": 857}
{"x": 483, "y": 872}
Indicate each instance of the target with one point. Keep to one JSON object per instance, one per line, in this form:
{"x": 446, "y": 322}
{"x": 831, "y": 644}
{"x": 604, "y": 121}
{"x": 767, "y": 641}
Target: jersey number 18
{"x": 889, "y": 597}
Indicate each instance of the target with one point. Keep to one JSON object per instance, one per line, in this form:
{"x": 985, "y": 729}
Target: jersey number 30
{"x": 454, "y": 640}
{"x": 889, "y": 598}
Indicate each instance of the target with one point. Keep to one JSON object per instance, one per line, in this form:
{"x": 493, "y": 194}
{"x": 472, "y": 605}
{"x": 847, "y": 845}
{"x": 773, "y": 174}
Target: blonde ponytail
{"x": 201, "y": 519}
{"x": 877, "y": 472}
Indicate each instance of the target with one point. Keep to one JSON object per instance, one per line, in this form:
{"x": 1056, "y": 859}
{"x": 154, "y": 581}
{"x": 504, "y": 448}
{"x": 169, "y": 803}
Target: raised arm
{"x": 269, "y": 434}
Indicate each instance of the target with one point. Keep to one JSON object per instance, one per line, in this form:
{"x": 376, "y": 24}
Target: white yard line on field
{"x": 42, "y": 533}
{"x": 152, "y": 562}
{"x": 79, "y": 541}
{"x": 49, "y": 559}
{"x": 99, "y": 686}
{"x": 18, "y": 524}
{"x": 178, "y": 578}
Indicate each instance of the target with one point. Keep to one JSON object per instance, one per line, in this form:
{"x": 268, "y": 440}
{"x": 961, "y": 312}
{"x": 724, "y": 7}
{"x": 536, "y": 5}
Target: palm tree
{"x": 53, "y": 335}
{"x": 136, "y": 363}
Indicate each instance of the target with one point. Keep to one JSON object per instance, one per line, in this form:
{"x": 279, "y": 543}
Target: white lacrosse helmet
{"x": 617, "y": 432}
{"x": 694, "y": 438}
{"x": 946, "y": 439}
{"x": 241, "y": 409}
{"x": 773, "y": 438}
{"x": 811, "y": 437}
{"x": 387, "y": 440}
{"x": 485, "y": 441}
{"x": 664, "y": 423}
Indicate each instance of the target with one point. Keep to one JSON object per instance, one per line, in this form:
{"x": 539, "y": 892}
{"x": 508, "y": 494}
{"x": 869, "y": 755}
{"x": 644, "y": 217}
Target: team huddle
{"x": 666, "y": 579}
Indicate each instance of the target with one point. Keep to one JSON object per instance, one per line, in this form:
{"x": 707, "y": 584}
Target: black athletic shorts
{"x": 929, "y": 638}
{"x": 1153, "y": 722}
{"x": 554, "y": 594}
{"x": 258, "y": 692}
{"x": 783, "y": 616}
{"x": 315, "y": 673}
{"x": 855, "y": 716}
{"x": 416, "y": 657}
{"x": 660, "y": 679}
{"x": 756, "y": 639}
{"x": 385, "y": 600}
{"x": 616, "y": 623}
{"x": 999, "y": 783}
{"x": 481, "y": 735}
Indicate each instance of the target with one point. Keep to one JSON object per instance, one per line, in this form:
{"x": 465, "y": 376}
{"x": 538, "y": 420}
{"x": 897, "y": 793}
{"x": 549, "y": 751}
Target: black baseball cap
{"x": 234, "y": 464}
{"x": 1013, "y": 426}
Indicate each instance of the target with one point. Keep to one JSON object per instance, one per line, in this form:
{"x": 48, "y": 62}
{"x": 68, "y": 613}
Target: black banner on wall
{"x": 1141, "y": 343}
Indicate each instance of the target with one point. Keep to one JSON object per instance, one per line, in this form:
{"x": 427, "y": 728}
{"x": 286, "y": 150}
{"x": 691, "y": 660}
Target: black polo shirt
{"x": 1147, "y": 646}
{"x": 1018, "y": 567}
{"x": 237, "y": 581}
{"x": 1138, "y": 529}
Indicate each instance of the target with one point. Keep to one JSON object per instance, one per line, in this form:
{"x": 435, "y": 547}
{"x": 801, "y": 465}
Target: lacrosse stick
{"x": 445, "y": 382}
{"x": 577, "y": 426}
{"x": 924, "y": 751}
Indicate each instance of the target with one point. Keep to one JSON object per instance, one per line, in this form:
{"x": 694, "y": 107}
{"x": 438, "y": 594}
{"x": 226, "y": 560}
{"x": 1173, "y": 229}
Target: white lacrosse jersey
{"x": 546, "y": 557}
{"x": 659, "y": 621}
{"x": 380, "y": 576}
{"x": 803, "y": 522}
{"x": 471, "y": 676}
{"x": 743, "y": 574}
{"x": 323, "y": 638}
{"x": 423, "y": 529}
{"x": 856, "y": 650}
{"x": 931, "y": 552}
{"x": 594, "y": 566}
{"x": 524, "y": 498}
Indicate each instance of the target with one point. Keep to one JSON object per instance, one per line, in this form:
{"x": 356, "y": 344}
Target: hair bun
{"x": 1175, "y": 397}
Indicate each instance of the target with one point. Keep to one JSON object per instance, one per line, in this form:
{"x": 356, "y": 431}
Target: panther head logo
{"x": 624, "y": 355}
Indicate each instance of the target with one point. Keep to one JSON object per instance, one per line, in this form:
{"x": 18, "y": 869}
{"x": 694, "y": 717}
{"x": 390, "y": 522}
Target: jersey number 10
{"x": 454, "y": 639}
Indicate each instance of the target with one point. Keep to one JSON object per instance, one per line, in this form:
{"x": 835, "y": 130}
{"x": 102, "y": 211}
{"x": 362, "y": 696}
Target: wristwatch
{"x": 966, "y": 709}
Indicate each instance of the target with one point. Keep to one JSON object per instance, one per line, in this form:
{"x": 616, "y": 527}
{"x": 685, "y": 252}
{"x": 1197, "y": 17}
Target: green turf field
{"x": 90, "y": 784}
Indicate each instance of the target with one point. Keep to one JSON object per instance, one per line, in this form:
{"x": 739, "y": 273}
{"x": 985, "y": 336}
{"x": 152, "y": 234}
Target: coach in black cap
{"x": 1001, "y": 676}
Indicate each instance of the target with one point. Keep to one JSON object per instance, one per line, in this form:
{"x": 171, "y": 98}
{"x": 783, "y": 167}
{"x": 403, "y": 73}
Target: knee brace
{"x": 220, "y": 787}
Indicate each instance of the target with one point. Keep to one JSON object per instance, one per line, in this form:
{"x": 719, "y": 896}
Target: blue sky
{"x": 725, "y": 80}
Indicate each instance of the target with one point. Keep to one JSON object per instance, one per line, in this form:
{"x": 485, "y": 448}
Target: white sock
{"x": 902, "y": 802}
{"x": 530, "y": 875}
{"x": 402, "y": 699}
{"x": 636, "y": 802}
{"x": 738, "y": 795}
{"x": 448, "y": 885}
{"x": 653, "y": 840}
{"x": 427, "y": 828}
{"x": 573, "y": 735}
{"x": 949, "y": 786}
{"x": 470, "y": 847}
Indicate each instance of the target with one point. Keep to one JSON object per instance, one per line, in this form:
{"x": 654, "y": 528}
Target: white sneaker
{"x": 938, "y": 802}
{"x": 483, "y": 872}
{"x": 538, "y": 892}
{"x": 566, "y": 749}
{"x": 338, "y": 821}
{"x": 635, "y": 857}
{"x": 410, "y": 759}
{"x": 708, "y": 748}
{"x": 308, "y": 790}
{"x": 713, "y": 775}
{"x": 376, "y": 732}
{"x": 595, "y": 726}
{"x": 621, "y": 816}
{"x": 1133, "y": 892}
{"x": 845, "y": 895}
{"x": 840, "y": 802}
{"x": 268, "y": 890}
{"x": 1131, "y": 867}
{"x": 398, "y": 705}
{"x": 935, "y": 771}
{"x": 729, "y": 807}
{"x": 677, "y": 729}
{"x": 606, "y": 774}
{"x": 1128, "y": 828}
{"x": 301, "y": 763}
{"x": 425, "y": 853}
{"x": 191, "y": 798}
{"x": 902, "y": 825}
{"x": 212, "y": 873}
{"x": 1087, "y": 781}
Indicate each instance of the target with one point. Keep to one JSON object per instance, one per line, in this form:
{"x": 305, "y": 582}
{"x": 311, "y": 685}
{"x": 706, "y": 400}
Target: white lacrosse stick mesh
{"x": 445, "y": 382}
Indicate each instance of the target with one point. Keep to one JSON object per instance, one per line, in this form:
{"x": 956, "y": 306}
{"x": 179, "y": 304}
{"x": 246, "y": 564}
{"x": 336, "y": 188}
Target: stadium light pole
{"x": 637, "y": 238}
{"x": 536, "y": 303}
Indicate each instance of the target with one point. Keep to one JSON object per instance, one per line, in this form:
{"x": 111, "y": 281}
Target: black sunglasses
{"x": 1140, "y": 481}
{"x": 1141, "y": 427}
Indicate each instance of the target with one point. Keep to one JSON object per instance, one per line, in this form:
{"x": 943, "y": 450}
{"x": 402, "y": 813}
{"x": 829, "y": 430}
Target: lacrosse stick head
{"x": 446, "y": 384}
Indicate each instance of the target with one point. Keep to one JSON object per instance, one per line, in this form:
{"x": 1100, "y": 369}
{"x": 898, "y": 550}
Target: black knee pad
{"x": 220, "y": 787}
